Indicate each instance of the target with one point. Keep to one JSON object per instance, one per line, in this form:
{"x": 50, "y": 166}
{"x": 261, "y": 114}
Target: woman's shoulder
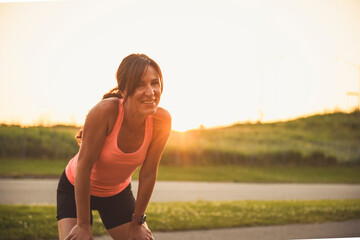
{"x": 107, "y": 106}
{"x": 162, "y": 119}
{"x": 105, "y": 110}
{"x": 162, "y": 114}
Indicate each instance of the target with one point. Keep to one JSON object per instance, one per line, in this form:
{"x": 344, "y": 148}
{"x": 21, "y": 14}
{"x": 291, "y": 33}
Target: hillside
{"x": 316, "y": 140}
{"x": 38, "y": 142}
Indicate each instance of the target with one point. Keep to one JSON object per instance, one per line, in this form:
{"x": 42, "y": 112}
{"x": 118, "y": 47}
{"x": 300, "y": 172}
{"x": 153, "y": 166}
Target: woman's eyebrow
{"x": 154, "y": 79}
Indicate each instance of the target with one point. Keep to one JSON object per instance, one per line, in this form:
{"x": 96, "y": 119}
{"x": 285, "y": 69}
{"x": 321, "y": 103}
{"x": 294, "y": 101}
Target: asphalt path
{"x": 43, "y": 191}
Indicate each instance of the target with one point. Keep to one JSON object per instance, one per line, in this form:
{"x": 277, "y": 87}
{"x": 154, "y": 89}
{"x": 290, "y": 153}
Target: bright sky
{"x": 223, "y": 61}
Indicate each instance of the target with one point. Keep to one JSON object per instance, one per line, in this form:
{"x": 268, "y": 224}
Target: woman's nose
{"x": 149, "y": 91}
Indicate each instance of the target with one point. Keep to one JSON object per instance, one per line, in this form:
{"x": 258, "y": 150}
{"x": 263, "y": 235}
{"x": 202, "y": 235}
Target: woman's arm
{"x": 148, "y": 172}
{"x": 94, "y": 133}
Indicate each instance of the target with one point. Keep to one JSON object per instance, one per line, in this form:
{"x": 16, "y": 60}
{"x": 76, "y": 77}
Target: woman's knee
{"x": 65, "y": 225}
{"x": 119, "y": 232}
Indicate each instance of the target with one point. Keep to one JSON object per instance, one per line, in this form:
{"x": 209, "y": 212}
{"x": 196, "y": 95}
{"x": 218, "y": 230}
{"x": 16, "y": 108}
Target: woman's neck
{"x": 132, "y": 119}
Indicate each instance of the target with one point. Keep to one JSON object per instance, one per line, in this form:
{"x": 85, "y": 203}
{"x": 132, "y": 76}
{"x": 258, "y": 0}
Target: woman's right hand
{"x": 80, "y": 233}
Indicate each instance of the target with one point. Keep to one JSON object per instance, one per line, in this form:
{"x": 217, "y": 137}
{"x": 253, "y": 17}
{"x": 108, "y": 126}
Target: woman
{"x": 123, "y": 131}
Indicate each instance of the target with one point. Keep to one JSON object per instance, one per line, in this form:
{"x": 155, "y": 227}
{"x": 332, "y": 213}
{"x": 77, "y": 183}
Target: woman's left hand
{"x": 139, "y": 232}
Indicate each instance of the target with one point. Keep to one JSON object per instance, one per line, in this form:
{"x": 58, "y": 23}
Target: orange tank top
{"x": 113, "y": 169}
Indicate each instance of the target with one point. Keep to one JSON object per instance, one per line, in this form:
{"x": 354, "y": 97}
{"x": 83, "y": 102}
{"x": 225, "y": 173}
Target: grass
{"x": 256, "y": 174}
{"x": 31, "y": 167}
{"x": 38, "y": 222}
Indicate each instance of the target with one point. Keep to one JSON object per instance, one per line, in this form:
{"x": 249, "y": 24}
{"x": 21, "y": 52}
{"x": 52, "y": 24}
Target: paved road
{"x": 29, "y": 191}
{"x": 297, "y": 231}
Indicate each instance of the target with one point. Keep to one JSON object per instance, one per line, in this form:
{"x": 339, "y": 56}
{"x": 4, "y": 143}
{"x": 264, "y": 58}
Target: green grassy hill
{"x": 317, "y": 140}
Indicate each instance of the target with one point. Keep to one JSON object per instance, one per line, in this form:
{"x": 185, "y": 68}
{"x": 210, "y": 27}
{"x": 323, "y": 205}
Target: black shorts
{"x": 114, "y": 211}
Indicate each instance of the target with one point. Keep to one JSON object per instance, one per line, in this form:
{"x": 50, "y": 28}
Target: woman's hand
{"x": 139, "y": 232}
{"x": 80, "y": 233}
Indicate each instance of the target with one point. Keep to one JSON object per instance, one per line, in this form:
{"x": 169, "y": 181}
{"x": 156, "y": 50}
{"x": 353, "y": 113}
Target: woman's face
{"x": 146, "y": 97}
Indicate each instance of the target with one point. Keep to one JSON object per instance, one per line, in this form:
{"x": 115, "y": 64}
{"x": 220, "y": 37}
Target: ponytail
{"x": 79, "y": 135}
{"x": 113, "y": 93}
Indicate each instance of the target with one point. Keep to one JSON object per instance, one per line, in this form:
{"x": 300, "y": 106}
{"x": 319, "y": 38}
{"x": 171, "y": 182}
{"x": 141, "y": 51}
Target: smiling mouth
{"x": 149, "y": 101}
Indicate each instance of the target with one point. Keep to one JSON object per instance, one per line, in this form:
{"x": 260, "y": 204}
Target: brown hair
{"x": 128, "y": 76}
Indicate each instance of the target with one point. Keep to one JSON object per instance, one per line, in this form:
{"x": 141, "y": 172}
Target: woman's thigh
{"x": 66, "y": 207}
{"x": 64, "y": 226}
{"x": 116, "y": 210}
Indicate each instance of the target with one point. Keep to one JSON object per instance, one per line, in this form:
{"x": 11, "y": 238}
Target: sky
{"x": 223, "y": 62}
